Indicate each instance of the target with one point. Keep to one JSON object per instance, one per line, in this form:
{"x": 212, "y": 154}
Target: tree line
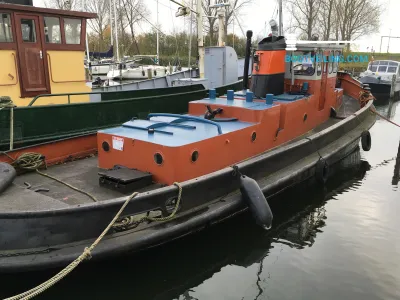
{"x": 334, "y": 19}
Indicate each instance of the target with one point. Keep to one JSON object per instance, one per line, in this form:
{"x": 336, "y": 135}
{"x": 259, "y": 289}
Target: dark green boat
{"x": 37, "y": 124}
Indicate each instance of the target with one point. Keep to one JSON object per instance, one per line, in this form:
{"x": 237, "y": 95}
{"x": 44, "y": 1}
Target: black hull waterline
{"x": 44, "y": 239}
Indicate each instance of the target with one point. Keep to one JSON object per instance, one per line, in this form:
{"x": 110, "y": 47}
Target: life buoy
{"x": 321, "y": 171}
{"x": 366, "y": 141}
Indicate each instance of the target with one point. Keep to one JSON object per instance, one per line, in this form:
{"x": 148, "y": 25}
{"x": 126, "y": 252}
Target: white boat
{"x": 135, "y": 72}
{"x": 102, "y": 67}
{"x": 383, "y": 77}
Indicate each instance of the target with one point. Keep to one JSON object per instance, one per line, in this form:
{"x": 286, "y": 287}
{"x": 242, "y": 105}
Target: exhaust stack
{"x": 249, "y": 35}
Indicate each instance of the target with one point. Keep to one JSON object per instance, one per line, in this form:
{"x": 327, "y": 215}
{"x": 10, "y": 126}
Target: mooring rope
{"x": 6, "y": 102}
{"x": 129, "y": 222}
{"x": 86, "y": 254}
{"x": 33, "y": 161}
{"x": 383, "y": 117}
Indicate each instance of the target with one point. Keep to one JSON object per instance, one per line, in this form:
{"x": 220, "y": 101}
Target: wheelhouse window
{"x": 305, "y": 67}
{"x": 5, "y": 28}
{"x": 331, "y": 61}
{"x": 382, "y": 69}
{"x": 52, "y": 31}
{"x": 72, "y": 29}
{"x": 28, "y": 30}
{"x": 373, "y": 66}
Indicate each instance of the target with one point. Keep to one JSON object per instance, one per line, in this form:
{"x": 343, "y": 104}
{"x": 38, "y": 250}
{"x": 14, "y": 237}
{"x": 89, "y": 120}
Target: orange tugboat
{"x": 228, "y": 154}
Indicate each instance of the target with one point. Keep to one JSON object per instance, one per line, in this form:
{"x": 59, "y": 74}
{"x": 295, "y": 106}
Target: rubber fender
{"x": 322, "y": 171}
{"x": 7, "y": 175}
{"x": 366, "y": 141}
{"x": 143, "y": 73}
{"x": 255, "y": 200}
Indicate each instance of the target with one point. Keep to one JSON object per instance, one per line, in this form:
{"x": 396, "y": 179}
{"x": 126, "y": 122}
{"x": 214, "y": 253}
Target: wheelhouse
{"x": 384, "y": 66}
{"x": 42, "y": 52}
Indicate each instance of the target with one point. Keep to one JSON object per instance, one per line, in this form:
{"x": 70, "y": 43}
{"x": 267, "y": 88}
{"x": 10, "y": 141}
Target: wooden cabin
{"x": 42, "y": 52}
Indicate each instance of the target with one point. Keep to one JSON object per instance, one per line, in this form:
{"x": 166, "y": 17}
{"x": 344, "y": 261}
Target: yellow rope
{"x": 86, "y": 254}
{"x": 6, "y": 102}
{"x": 32, "y": 161}
{"x": 129, "y": 222}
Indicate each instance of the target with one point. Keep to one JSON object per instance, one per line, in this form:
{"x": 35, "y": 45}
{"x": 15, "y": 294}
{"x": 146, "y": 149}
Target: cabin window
{"x": 319, "y": 63}
{"x": 382, "y": 68}
{"x": 306, "y": 66}
{"x": 72, "y": 29}
{"x": 336, "y": 62}
{"x": 5, "y": 29}
{"x": 28, "y": 30}
{"x": 52, "y": 30}
{"x": 391, "y": 69}
{"x": 373, "y": 67}
{"x": 331, "y": 62}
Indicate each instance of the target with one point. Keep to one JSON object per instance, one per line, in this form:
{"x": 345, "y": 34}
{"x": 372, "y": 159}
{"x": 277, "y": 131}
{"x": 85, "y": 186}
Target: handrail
{"x": 16, "y": 72}
{"x": 51, "y": 74}
{"x": 183, "y": 118}
{"x": 108, "y": 92}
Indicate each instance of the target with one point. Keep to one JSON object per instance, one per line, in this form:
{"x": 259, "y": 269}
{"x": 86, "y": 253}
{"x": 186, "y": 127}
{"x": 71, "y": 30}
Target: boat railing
{"x": 183, "y": 118}
{"x": 220, "y": 90}
{"x": 63, "y": 95}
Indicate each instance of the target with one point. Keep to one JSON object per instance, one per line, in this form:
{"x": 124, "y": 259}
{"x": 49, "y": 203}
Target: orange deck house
{"x": 286, "y": 101}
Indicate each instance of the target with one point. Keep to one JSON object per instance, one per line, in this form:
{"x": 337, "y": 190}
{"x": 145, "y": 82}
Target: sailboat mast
{"x": 116, "y": 30}
{"x": 158, "y": 40}
{"x": 280, "y": 28}
{"x": 87, "y": 39}
{"x": 200, "y": 41}
{"x": 111, "y": 26}
{"x": 190, "y": 33}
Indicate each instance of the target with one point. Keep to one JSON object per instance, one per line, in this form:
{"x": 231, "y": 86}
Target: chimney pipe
{"x": 249, "y": 35}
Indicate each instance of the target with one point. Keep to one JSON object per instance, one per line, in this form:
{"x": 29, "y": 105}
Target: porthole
{"x": 305, "y": 117}
{"x": 105, "y": 146}
{"x": 158, "y": 158}
{"x": 253, "y": 136}
{"x": 195, "y": 156}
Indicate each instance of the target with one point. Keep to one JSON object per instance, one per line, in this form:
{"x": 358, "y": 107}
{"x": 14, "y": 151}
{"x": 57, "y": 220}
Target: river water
{"x": 337, "y": 242}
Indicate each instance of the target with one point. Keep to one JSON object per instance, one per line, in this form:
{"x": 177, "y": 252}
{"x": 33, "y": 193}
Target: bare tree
{"x": 327, "y": 19}
{"x": 305, "y": 15}
{"x": 211, "y": 25}
{"x": 98, "y": 25}
{"x": 64, "y": 4}
{"x": 236, "y": 6}
{"x": 357, "y": 18}
{"x": 133, "y": 12}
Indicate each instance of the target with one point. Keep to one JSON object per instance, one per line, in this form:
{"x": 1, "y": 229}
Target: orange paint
{"x": 270, "y": 62}
{"x": 59, "y": 151}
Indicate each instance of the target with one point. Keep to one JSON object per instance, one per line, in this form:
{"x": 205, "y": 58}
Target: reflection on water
{"x": 336, "y": 242}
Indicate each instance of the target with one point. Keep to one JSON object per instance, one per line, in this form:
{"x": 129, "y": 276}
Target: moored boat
{"x": 314, "y": 119}
{"x": 383, "y": 78}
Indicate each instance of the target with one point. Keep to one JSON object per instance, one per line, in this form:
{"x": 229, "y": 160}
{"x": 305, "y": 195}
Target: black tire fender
{"x": 321, "y": 171}
{"x": 366, "y": 141}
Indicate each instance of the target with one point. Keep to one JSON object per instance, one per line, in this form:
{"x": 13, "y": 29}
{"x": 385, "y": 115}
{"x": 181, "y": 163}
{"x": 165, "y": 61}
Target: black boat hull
{"x": 37, "y": 240}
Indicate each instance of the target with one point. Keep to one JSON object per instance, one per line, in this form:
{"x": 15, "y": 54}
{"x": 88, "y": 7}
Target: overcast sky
{"x": 260, "y": 11}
